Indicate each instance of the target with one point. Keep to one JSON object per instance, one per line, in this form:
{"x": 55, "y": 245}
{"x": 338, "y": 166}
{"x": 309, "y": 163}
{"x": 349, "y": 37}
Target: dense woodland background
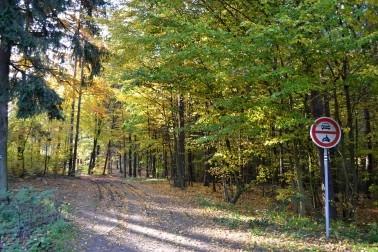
{"x": 218, "y": 92}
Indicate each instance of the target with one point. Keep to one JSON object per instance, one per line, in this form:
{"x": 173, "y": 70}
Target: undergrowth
{"x": 145, "y": 181}
{"x": 31, "y": 221}
{"x": 279, "y": 224}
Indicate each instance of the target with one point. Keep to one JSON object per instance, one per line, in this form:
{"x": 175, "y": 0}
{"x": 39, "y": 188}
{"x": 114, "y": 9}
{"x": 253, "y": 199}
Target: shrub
{"x": 25, "y": 219}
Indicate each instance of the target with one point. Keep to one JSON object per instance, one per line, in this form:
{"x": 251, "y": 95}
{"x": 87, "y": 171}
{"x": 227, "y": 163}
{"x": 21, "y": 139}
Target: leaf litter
{"x": 114, "y": 214}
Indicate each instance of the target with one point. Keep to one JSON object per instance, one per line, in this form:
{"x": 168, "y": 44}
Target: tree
{"x": 86, "y": 56}
{"x": 28, "y": 31}
{"x": 255, "y": 74}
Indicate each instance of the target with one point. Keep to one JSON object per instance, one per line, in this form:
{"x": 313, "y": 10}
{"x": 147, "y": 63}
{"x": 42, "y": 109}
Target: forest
{"x": 219, "y": 92}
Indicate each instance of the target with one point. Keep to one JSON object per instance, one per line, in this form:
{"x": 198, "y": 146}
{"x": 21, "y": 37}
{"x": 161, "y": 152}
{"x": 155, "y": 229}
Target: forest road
{"x": 120, "y": 215}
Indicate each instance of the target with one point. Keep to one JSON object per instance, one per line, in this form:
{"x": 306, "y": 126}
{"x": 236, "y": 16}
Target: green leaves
{"x": 26, "y": 218}
{"x": 35, "y": 97}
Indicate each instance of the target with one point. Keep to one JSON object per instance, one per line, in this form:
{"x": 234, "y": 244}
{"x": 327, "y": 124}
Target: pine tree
{"x": 31, "y": 43}
{"x": 28, "y": 31}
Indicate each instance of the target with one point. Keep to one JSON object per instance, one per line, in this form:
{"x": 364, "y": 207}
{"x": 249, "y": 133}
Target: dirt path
{"x": 119, "y": 215}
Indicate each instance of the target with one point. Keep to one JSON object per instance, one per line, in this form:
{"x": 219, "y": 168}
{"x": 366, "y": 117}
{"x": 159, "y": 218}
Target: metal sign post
{"x": 326, "y": 191}
{"x": 326, "y": 133}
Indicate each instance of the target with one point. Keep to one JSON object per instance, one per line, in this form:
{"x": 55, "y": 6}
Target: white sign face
{"x": 325, "y": 132}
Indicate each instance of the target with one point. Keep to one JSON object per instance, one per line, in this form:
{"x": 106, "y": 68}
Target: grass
{"x": 145, "y": 180}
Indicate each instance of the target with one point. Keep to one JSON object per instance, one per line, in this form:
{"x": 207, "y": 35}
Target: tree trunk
{"x": 346, "y": 185}
{"x": 165, "y": 162}
{"x": 73, "y": 171}
{"x": 190, "y": 167}
{"x": 153, "y": 164}
{"x": 181, "y": 144}
{"x": 92, "y": 161}
{"x": 148, "y": 163}
{"x": 107, "y": 158}
{"x": 124, "y": 156}
{"x": 239, "y": 189}
{"x": 225, "y": 190}
{"x": 206, "y": 173}
{"x": 351, "y": 146}
{"x": 71, "y": 134}
{"x": 172, "y": 145}
{"x": 5, "y": 54}
{"x": 313, "y": 191}
{"x": 22, "y": 138}
{"x": 317, "y": 111}
{"x": 281, "y": 177}
{"x": 153, "y": 156}
{"x": 135, "y": 162}
{"x": 298, "y": 169}
{"x": 46, "y": 160}
{"x": 369, "y": 156}
{"x": 130, "y": 157}
{"x": 74, "y": 158}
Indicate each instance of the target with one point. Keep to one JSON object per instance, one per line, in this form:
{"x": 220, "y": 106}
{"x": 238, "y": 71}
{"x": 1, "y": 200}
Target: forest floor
{"x": 116, "y": 214}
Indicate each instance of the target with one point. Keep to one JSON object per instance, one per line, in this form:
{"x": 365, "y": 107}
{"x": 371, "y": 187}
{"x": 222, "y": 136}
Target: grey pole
{"x": 326, "y": 190}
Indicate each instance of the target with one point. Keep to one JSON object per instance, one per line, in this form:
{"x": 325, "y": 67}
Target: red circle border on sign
{"x": 317, "y": 141}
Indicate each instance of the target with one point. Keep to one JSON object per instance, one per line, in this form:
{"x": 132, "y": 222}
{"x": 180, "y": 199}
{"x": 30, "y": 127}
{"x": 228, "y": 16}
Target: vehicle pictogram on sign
{"x": 325, "y": 126}
{"x": 326, "y": 139}
{"x": 325, "y": 132}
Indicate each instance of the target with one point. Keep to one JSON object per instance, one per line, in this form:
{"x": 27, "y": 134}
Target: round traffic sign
{"x": 325, "y": 132}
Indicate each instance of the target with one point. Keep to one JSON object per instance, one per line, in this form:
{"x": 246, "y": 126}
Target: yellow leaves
{"x": 303, "y": 40}
{"x": 346, "y": 130}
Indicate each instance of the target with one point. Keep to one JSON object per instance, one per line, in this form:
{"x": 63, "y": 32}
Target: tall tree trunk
{"x": 351, "y": 145}
{"x": 281, "y": 177}
{"x": 130, "y": 157}
{"x": 135, "y": 161}
{"x": 73, "y": 171}
{"x": 92, "y": 161}
{"x": 153, "y": 164}
{"x": 298, "y": 169}
{"x": 190, "y": 167}
{"x": 153, "y": 156}
{"x": 313, "y": 191}
{"x": 21, "y": 148}
{"x": 107, "y": 158}
{"x": 317, "y": 111}
{"x": 149, "y": 152}
{"x": 346, "y": 185}
{"x": 165, "y": 163}
{"x": 148, "y": 163}
{"x": 124, "y": 156}
{"x": 206, "y": 173}
{"x": 172, "y": 146}
{"x": 369, "y": 156}
{"x": 46, "y": 160}
{"x": 181, "y": 143}
{"x": 71, "y": 135}
{"x": 5, "y": 54}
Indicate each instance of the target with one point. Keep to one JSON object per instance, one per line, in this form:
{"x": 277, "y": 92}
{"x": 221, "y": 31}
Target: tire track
{"x": 120, "y": 215}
